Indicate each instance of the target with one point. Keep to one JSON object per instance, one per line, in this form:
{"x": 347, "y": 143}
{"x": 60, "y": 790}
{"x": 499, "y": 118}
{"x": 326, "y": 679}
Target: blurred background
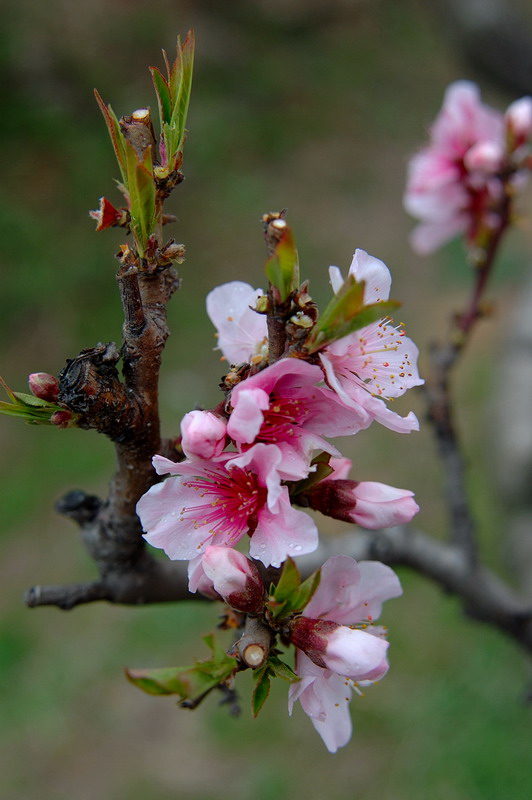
{"x": 307, "y": 105}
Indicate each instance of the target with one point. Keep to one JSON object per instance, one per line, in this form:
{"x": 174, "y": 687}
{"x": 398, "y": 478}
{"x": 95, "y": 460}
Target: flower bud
{"x": 62, "y": 419}
{"x": 484, "y": 156}
{"x": 371, "y": 505}
{"x": 353, "y": 653}
{"x": 44, "y": 386}
{"x": 519, "y": 120}
{"x": 203, "y": 434}
{"x": 198, "y": 581}
{"x": 234, "y": 577}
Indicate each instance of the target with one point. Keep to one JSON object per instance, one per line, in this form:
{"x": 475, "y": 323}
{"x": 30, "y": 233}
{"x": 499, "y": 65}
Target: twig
{"x": 439, "y": 398}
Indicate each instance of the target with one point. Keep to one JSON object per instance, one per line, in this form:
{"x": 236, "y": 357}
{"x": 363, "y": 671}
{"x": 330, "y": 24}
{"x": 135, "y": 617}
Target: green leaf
{"x": 347, "y": 313}
{"x": 142, "y": 195}
{"x": 182, "y": 95}
{"x": 174, "y": 97}
{"x": 190, "y": 683}
{"x": 322, "y": 471}
{"x": 34, "y": 402}
{"x": 158, "y": 681}
{"x": 12, "y": 410}
{"x": 282, "y": 670}
{"x": 281, "y": 599}
{"x": 282, "y": 269}
{"x": 342, "y": 307}
{"x": 306, "y": 591}
{"x": 28, "y": 407}
{"x": 289, "y": 581}
{"x": 163, "y": 95}
{"x": 117, "y": 138}
{"x": 261, "y": 691}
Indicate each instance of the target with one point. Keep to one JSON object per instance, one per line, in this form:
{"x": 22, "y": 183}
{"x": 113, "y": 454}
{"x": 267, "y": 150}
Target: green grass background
{"x": 307, "y": 105}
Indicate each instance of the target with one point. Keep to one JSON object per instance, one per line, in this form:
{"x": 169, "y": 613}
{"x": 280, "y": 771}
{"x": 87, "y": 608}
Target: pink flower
{"x": 203, "y": 434}
{"x": 349, "y": 594}
{"x": 282, "y": 405}
{"x": 219, "y": 501}
{"x": 242, "y": 333}
{"x": 367, "y": 503}
{"x": 232, "y": 576}
{"x": 452, "y": 184}
{"x": 377, "y": 362}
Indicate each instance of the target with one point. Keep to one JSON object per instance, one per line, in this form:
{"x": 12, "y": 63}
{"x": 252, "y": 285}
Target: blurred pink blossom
{"x": 452, "y": 184}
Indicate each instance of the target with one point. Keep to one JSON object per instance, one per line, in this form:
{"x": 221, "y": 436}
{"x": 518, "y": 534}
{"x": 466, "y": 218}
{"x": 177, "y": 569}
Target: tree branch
{"x": 484, "y": 595}
{"x": 438, "y": 395}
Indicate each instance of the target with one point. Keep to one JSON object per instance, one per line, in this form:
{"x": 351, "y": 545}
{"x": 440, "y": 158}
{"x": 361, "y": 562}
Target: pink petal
{"x": 325, "y": 697}
{"x": 287, "y": 532}
{"x": 241, "y": 331}
{"x": 356, "y": 654}
{"x": 380, "y": 506}
{"x": 247, "y": 417}
{"x": 337, "y": 590}
{"x": 375, "y": 273}
{"x": 159, "y": 511}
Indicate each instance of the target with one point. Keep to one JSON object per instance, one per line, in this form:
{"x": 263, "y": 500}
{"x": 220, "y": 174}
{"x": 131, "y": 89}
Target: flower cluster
{"x": 476, "y": 159}
{"x": 240, "y": 460}
{"x": 339, "y": 649}
{"x": 266, "y": 449}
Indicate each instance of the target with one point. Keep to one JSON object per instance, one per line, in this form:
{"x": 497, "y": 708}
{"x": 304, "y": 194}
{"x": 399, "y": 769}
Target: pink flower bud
{"x": 371, "y": 505}
{"x": 198, "y": 581}
{"x": 484, "y": 156}
{"x": 234, "y": 577}
{"x": 62, "y": 419}
{"x": 353, "y": 653}
{"x": 44, "y": 386}
{"x": 203, "y": 434}
{"x": 519, "y": 119}
{"x": 380, "y": 506}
